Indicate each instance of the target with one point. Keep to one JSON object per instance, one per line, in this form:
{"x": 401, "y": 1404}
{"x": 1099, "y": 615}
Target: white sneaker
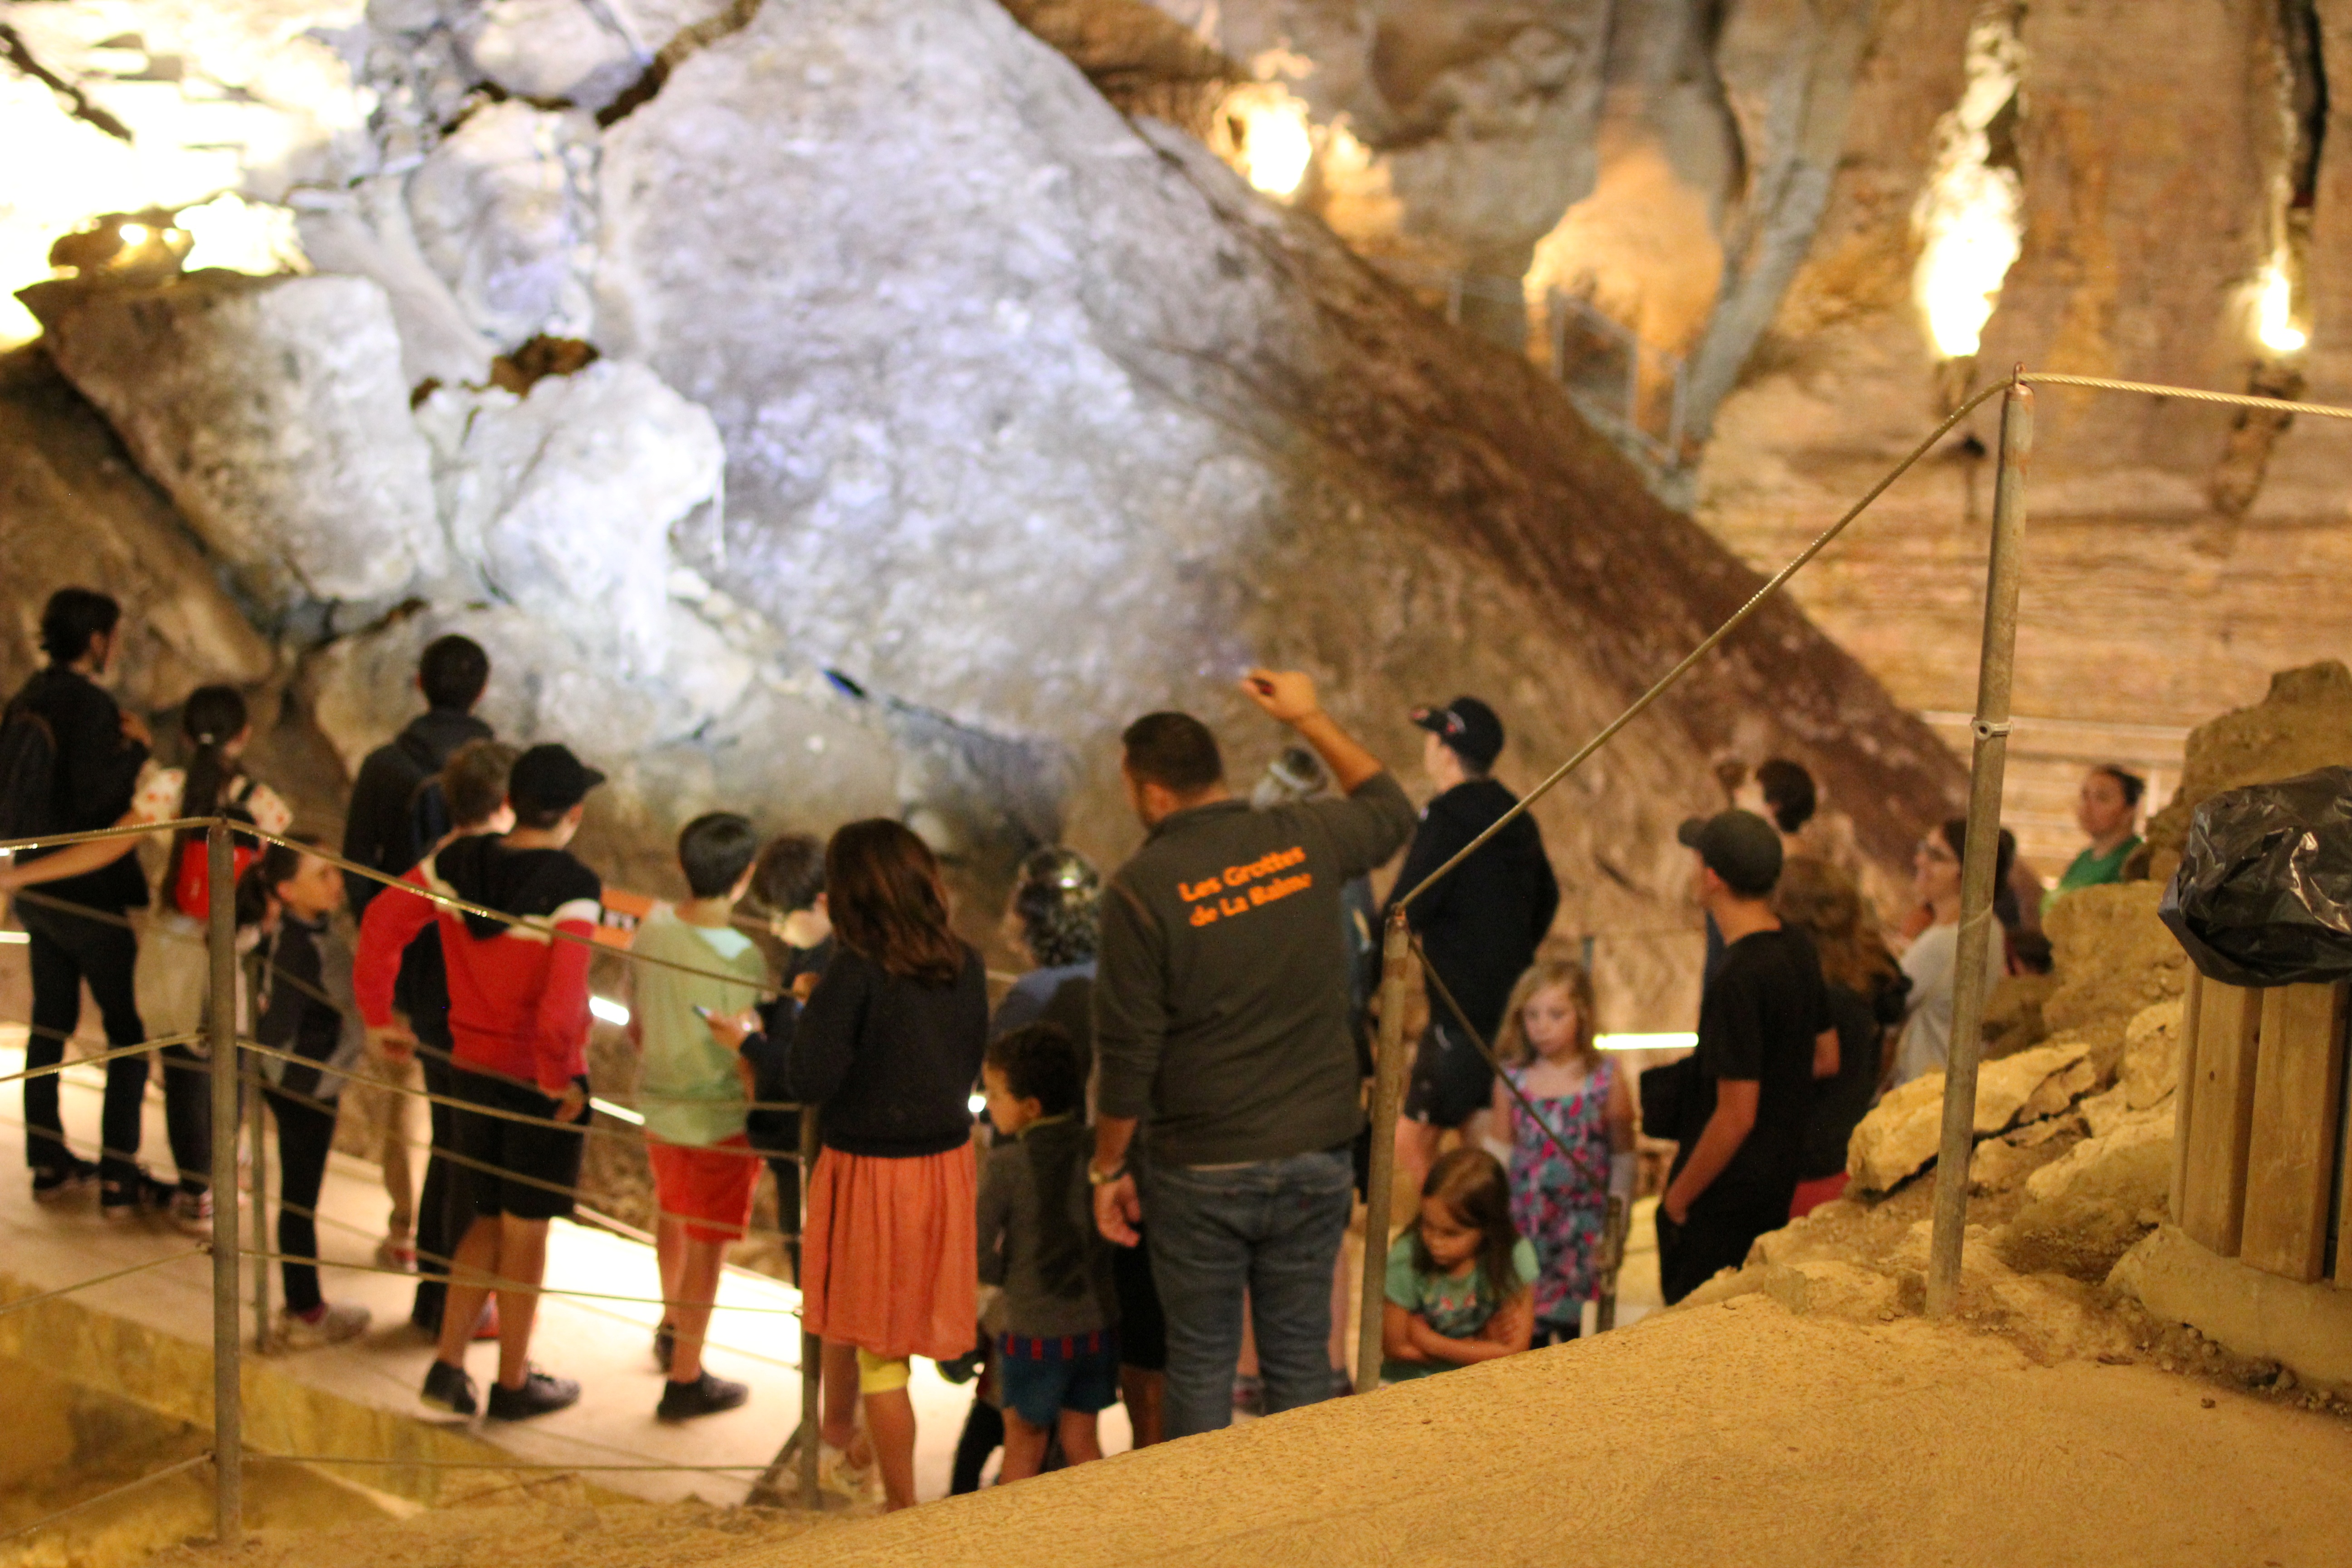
{"x": 835, "y": 1473}
{"x": 336, "y": 1321}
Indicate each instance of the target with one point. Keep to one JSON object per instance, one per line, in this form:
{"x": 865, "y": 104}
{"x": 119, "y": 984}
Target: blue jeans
{"x": 1272, "y": 1227}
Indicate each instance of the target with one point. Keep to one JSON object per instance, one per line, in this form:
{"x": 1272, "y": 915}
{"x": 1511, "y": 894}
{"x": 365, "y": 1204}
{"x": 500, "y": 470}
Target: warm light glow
{"x": 133, "y": 233}
{"x": 1646, "y": 1042}
{"x": 609, "y": 1011}
{"x": 1968, "y": 218}
{"x": 2274, "y": 319}
{"x": 241, "y": 236}
{"x": 1268, "y": 137}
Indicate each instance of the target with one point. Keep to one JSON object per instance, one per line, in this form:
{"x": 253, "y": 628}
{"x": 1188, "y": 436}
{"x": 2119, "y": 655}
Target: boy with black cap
{"x": 1479, "y": 927}
{"x": 519, "y": 1023}
{"x": 1764, "y": 1034}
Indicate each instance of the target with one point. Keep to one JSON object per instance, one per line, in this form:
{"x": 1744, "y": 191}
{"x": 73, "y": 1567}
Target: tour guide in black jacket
{"x": 1220, "y": 1014}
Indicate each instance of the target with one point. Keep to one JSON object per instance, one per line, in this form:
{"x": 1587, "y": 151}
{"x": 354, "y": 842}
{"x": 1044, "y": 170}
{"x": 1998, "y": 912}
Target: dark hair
{"x": 1788, "y": 792}
{"x": 212, "y": 718}
{"x": 1041, "y": 1062}
{"x": 473, "y": 781}
{"x": 274, "y": 867}
{"x": 2131, "y": 783}
{"x": 1955, "y": 838}
{"x": 1058, "y": 901}
{"x": 1825, "y": 903}
{"x": 1175, "y": 750}
{"x": 72, "y": 617}
{"x": 452, "y": 671}
{"x": 1474, "y": 1189}
{"x": 882, "y": 888}
{"x": 789, "y": 874}
{"x": 714, "y": 850}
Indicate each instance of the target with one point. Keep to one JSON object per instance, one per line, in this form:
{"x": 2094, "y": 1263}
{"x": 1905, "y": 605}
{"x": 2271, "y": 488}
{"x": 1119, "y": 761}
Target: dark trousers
{"x": 788, "y": 1208}
{"x": 65, "y": 951}
{"x": 1717, "y": 1236}
{"x": 436, "y": 1236}
{"x": 306, "y": 1131}
{"x": 188, "y": 1114}
{"x": 984, "y": 1434}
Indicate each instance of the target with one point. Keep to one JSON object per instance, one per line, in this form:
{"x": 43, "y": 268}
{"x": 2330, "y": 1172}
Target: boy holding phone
{"x": 691, "y": 1092}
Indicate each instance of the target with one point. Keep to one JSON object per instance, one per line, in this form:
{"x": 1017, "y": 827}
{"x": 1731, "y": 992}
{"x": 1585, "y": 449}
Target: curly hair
{"x": 1058, "y": 899}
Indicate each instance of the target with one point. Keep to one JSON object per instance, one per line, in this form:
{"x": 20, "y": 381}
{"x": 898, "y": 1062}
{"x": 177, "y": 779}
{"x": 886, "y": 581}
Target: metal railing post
{"x": 1387, "y": 1094}
{"x": 228, "y": 1412}
{"x": 811, "y": 1348}
{"x": 1980, "y": 859}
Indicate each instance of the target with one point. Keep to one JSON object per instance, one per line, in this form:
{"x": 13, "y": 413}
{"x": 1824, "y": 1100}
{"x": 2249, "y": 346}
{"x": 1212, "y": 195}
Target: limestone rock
{"x": 2086, "y": 1210}
{"x": 550, "y": 49}
{"x": 74, "y": 511}
{"x": 364, "y": 230}
{"x": 273, "y": 411}
{"x": 2113, "y": 957}
{"x": 564, "y": 499}
{"x": 502, "y": 211}
{"x": 2152, "y": 1067}
{"x": 2012, "y": 1013}
{"x": 1038, "y": 420}
{"x": 2303, "y": 722}
{"x": 1826, "y": 1288}
{"x": 1901, "y": 1134}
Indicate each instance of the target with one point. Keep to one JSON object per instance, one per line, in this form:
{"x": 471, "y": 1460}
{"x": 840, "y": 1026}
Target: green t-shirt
{"x": 2090, "y": 868}
{"x": 688, "y": 1086}
{"x": 1455, "y": 1308}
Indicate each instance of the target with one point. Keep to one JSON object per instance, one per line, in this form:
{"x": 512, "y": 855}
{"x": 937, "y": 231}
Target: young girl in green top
{"x": 1460, "y": 1278}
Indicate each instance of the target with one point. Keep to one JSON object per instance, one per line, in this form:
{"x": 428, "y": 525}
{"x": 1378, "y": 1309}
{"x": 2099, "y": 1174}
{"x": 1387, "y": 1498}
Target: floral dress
{"x": 1560, "y": 1202}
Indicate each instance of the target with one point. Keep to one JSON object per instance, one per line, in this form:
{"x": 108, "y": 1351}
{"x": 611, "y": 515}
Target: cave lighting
{"x": 609, "y": 1011}
{"x": 241, "y": 236}
{"x": 2273, "y": 317}
{"x": 1967, "y": 217}
{"x": 133, "y": 233}
{"x": 1669, "y": 1042}
{"x": 1273, "y": 142}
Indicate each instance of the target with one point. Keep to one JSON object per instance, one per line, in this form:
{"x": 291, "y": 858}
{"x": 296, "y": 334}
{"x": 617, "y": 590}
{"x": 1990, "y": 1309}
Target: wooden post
{"x": 2228, "y": 1035}
{"x": 2185, "y": 1092}
{"x": 1388, "y": 1095}
{"x": 1996, "y": 665}
{"x": 2291, "y": 1146}
{"x": 228, "y": 1409}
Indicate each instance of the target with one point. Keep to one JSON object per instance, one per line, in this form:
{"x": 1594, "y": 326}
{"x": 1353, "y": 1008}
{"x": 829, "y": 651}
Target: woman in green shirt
{"x": 2107, "y": 809}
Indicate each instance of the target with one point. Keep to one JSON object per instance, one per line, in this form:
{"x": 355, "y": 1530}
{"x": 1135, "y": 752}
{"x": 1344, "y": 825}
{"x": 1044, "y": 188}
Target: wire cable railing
{"x": 1400, "y": 954}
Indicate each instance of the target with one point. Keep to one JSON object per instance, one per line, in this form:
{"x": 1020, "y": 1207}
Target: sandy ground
{"x": 1734, "y": 1434}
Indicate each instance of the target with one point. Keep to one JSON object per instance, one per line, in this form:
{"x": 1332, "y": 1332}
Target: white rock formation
{"x": 274, "y": 412}
{"x": 501, "y": 212}
{"x": 550, "y": 49}
{"x": 563, "y": 501}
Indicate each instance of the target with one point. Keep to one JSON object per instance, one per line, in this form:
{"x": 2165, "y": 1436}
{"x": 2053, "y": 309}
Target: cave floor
{"x": 370, "y": 1385}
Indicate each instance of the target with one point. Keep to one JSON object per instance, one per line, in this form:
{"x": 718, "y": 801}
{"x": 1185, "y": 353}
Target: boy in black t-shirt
{"x": 1764, "y": 1034}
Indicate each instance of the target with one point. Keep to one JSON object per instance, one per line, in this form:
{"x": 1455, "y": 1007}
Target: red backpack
{"x": 191, "y": 873}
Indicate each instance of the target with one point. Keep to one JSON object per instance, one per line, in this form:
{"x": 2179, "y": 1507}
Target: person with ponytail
{"x": 172, "y": 977}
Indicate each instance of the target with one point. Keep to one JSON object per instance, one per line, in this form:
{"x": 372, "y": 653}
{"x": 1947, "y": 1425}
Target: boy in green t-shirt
{"x": 691, "y": 1092}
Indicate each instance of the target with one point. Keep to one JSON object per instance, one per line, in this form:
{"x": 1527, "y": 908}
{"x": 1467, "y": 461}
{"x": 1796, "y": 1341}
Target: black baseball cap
{"x": 1468, "y": 725}
{"x": 1739, "y": 846}
{"x": 549, "y": 778}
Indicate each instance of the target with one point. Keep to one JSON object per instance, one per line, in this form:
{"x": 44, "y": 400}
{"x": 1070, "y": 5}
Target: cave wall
{"x": 941, "y": 419}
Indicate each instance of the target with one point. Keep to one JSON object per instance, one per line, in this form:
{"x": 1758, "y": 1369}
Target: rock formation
{"x": 1030, "y": 418}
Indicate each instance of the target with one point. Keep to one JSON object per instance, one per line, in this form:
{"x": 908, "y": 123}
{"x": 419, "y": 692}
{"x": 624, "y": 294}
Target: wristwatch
{"x": 1105, "y": 1178}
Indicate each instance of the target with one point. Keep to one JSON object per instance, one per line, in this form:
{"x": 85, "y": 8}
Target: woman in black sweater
{"x": 888, "y": 1047}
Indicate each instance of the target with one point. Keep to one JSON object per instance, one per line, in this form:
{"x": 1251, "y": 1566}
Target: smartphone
{"x": 701, "y": 1012}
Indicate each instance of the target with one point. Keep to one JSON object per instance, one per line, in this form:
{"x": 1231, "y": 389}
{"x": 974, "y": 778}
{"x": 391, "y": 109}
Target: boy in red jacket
{"x": 518, "y": 1026}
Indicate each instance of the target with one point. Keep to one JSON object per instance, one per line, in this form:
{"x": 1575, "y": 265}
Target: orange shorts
{"x": 708, "y": 1187}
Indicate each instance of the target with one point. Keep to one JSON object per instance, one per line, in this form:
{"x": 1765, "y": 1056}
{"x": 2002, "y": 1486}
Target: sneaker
{"x": 538, "y": 1395}
{"x": 193, "y": 1212}
{"x": 448, "y": 1388}
{"x": 54, "y": 1184}
{"x": 328, "y": 1323}
{"x": 838, "y": 1473}
{"x": 396, "y": 1252}
{"x": 666, "y": 1348}
{"x": 134, "y": 1199}
{"x": 706, "y": 1395}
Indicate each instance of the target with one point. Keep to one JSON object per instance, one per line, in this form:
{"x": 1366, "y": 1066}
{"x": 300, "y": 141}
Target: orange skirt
{"x": 891, "y": 1261}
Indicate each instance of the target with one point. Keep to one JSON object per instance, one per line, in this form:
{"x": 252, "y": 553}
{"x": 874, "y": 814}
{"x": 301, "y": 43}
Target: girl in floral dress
{"x": 1562, "y": 1180}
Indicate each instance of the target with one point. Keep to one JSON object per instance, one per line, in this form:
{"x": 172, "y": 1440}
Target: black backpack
{"x": 28, "y": 773}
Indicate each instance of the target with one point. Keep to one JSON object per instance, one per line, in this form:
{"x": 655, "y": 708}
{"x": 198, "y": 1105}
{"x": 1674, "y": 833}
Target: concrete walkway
{"x": 148, "y": 1336}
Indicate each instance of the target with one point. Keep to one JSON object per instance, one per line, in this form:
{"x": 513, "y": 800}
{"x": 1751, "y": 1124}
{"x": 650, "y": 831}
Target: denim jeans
{"x": 1272, "y": 1227}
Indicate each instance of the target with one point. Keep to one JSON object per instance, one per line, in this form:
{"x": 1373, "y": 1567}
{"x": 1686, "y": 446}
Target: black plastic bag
{"x": 2263, "y": 896}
